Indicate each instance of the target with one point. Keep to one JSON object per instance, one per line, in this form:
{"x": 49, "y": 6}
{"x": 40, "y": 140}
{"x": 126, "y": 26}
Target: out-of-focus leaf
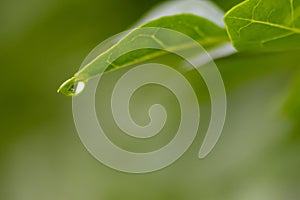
{"x": 202, "y": 8}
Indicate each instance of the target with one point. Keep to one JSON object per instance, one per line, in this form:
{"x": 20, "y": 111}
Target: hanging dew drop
{"x": 71, "y": 87}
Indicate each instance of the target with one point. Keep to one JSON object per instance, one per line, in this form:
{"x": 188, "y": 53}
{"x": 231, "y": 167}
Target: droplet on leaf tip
{"x": 71, "y": 87}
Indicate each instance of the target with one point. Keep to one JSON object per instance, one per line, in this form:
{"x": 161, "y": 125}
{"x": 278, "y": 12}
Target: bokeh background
{"x": 41, "y": 156}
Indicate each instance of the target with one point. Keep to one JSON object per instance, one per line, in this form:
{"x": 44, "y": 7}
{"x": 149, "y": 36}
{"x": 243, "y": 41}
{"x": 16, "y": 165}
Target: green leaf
{"x": 205, "y": 32}
{"x": 205, "y": 9}
{"x": 265, "y": 25}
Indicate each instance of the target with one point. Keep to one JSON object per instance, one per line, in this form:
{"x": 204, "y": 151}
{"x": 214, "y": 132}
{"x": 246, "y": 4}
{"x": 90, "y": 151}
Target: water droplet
{"x": 79, "y": 87}
{"x": 71, "y": 87}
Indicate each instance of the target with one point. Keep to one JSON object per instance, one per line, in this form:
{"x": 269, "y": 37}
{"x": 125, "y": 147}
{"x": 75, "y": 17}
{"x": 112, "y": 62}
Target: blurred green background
{"x": 43, "y": 42}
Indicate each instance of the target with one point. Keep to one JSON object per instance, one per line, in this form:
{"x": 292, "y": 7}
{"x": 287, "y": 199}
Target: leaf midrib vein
{"x": 296, "y": 30}
{"x": 206, "y": 41}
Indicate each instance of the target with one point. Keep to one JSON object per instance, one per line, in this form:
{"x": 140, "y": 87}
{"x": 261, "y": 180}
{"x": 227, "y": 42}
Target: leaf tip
{"x": 71, "y": 87}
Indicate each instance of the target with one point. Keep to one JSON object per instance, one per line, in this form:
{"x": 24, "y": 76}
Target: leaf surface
{"x": 265, "y": 25}
{"x": 205, "y": 32}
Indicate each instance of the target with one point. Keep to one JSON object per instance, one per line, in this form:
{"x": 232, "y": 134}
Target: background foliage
{"x": 42, "y": 157}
